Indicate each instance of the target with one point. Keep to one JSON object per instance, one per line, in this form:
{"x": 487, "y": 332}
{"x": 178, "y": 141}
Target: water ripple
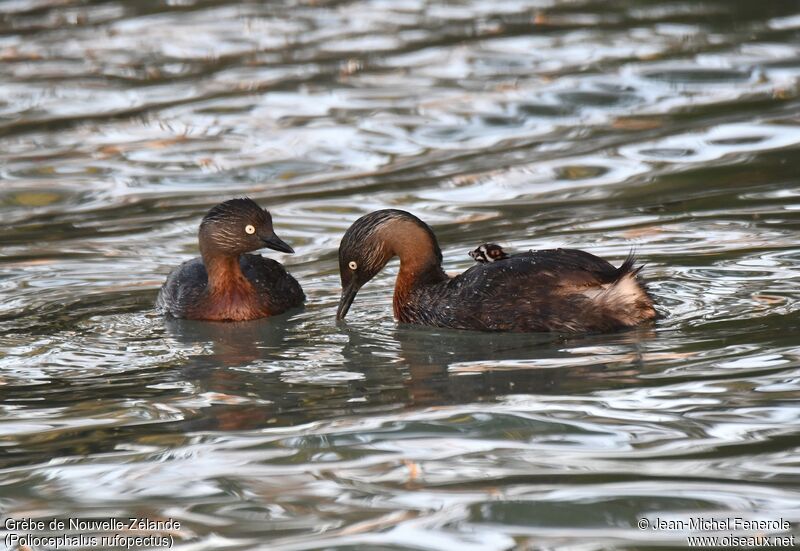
{"x": 668, "y": 128}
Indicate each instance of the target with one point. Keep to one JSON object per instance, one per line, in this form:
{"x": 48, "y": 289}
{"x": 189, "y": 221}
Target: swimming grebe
{"x": 564, "y": 290}
{"x": 488, "y": 252}
{"x": 226, "y": 284}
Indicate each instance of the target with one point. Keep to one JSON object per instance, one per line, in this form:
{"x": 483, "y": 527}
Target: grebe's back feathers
{"x": 550, "y": 290}
{"x": 186, "y": 285}
{"x": 270, "y": 277}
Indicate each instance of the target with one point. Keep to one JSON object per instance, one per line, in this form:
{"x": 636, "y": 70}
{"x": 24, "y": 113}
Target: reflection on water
{"x": 671, "y": 128}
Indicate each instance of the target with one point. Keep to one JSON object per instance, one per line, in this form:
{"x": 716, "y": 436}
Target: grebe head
{"x": 236, "y": 227}
{"x": 373, "y": 240}
{"x": 488, "y": 252}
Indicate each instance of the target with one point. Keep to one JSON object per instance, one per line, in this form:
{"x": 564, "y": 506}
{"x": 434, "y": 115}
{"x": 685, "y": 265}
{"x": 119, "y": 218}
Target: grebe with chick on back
{"x": 225, "y": 283}
{"x": 562, "y": 290}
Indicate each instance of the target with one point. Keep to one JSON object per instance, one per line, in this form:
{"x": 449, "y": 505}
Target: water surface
{"x": 668, "y": 127}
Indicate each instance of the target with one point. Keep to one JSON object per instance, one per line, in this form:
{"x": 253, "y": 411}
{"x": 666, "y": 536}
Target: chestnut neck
{"x": 420, "y": 258}
{"x": 228, "y": 295}
{"x": 223, "y": 269}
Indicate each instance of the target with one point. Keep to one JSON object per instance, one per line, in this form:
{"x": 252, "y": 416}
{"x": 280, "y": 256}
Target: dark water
{"x": 671, "y": 127}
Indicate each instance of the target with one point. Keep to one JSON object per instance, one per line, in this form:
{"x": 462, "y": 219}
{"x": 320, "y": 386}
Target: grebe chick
{"x": 562, "y": 290}
{"x": 226, "y": 284}
{"x": 488, "y": 252}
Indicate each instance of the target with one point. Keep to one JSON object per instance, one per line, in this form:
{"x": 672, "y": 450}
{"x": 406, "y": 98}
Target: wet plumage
{"x": 562, "y": 290}
{"x": 225, "y": 283}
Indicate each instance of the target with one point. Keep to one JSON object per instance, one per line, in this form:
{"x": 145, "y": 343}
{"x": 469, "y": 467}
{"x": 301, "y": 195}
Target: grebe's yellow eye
{"x": 353, "y": 264}
{"x": 250, "y": 229}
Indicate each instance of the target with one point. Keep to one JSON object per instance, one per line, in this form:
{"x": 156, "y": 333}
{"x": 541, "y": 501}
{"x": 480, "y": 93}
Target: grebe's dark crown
{"x": 370, "y": 243}
{"x": 238, "y": 226}
{"x": 237, "y": 208}
{"x": 363, "y": 230}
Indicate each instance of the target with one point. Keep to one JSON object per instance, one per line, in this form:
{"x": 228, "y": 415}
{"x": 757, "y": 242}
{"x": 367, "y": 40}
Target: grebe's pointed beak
{"x": 275, "y": 242}
{"x": 348, "y": 296}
